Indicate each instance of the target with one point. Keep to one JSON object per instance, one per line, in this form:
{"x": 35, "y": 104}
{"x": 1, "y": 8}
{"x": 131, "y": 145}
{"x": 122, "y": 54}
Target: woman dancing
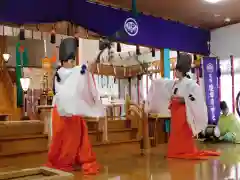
{"x": 75, "y": 97}
{"x": 187, "y": 108}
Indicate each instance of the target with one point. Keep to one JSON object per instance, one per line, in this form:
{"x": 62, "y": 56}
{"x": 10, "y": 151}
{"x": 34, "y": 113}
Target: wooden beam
{"x": 108, "y": 70}
{"x": 162, "y": 62}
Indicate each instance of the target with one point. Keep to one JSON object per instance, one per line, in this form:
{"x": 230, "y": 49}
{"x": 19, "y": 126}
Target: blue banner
{"x": 141, "y": 29}
{"x": 210, "y": 75}
{"x": 144, "y": 30}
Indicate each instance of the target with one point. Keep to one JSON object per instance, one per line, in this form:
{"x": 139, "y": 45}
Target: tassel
{"x": 193, "y": 70}
{"x": 219, "y": 72}
{"x": 200, "y": 71}
{"x": 100, "y": 48}
{"x": 178, "y": 54}
{"x": 195, "y": 57}
{"x": 22, "y": 34}
{"x": 153, "y": 52}
{"x": 77, "y": 41}
{"x": 139, "y": 77}
{"x": 138, "y": 50}
{"x": 119, "y": 49}
{"x": 53, "y": 37}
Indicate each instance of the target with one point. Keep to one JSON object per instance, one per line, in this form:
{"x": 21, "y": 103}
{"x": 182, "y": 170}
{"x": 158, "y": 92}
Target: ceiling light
{"x": 216, "y": 15}
{"x": 227, "y": 20}
{"x": 213, "y": 1}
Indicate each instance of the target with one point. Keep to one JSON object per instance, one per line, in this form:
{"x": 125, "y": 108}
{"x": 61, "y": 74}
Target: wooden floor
{"x": 125, "y": 163}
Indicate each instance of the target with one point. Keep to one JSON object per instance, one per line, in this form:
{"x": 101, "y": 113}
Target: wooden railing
{"x": 8, "y": 84}
{"x": 4, "y": 74}
{"x": 139, "y": 120}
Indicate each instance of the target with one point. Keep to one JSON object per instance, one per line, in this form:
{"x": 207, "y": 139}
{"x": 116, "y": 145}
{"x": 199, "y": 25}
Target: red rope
{"x": 197, "y": 74}
{"x": 138, "y": 90}
{"x": 94, "y": 80}
{"x": 219, "y": 83}
{"x": 232, "y": 74}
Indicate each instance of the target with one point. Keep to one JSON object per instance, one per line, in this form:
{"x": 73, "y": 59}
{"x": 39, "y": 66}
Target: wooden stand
{"x": 22, "y": 137}
{"x": 157, "y": 130}
{"x": 41, "y": 173}
{"x": 113, "y": 109}
{"x": 102, "y": 126}
{"x": 146, "y": 142}
{"x": 45, "y": 116}
{"x": 139, "y": 120}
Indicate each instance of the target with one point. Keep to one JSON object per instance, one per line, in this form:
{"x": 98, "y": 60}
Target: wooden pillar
{"x": 162, "y": 62}
{"x": 3, "y": 48}
{"x": 79, "y": 56}
{"x": 130, "y": 87}
{"x": 145, "y": 125}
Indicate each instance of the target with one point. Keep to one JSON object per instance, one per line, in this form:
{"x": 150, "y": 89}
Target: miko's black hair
{"x": 223, "y": 105}
{"x": 67, "y": 51}
{"x": 187, "y": 76}
{"x": 57, "y": 77}
{"x": 183, "y": 63}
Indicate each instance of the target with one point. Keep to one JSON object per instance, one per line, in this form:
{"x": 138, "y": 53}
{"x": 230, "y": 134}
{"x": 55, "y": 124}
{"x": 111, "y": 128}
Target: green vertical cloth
{"x": 25, "y": 58}
{"x": 21, "y": 60}
{"x": 134, "y": 8}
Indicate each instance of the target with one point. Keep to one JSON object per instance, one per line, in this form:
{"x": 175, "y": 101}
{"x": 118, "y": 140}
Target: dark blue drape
{"x": 154, "y": 32}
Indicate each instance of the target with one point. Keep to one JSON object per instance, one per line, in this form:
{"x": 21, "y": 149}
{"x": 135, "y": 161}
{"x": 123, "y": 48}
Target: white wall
{"x": 225, "y": 41}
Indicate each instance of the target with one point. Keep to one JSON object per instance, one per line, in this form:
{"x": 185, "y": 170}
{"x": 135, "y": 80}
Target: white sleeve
{"x": 196, "y": 108}
{"x": 89, "y": 103}
{"x": 76, "y": 97}
{"x": 159, "y": 96}
{"x": 93, "y": 87}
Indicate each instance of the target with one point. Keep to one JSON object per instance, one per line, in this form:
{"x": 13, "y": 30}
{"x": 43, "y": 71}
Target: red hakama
{"x": 70, "y": 145}
{"x": 181, "y": 142}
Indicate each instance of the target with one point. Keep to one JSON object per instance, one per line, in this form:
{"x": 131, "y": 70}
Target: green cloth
{"x": 134, "y": 8}
{"x": 21, "y": 61}
{"x": 167, "y": 125}
{"x": 229, "y": 127}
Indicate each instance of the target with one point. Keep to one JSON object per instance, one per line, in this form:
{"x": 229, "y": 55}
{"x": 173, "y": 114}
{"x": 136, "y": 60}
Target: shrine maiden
{"x": 229, "y": 125}
{"x": 187, "y": 108}
{"x": 75, "y": 97}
